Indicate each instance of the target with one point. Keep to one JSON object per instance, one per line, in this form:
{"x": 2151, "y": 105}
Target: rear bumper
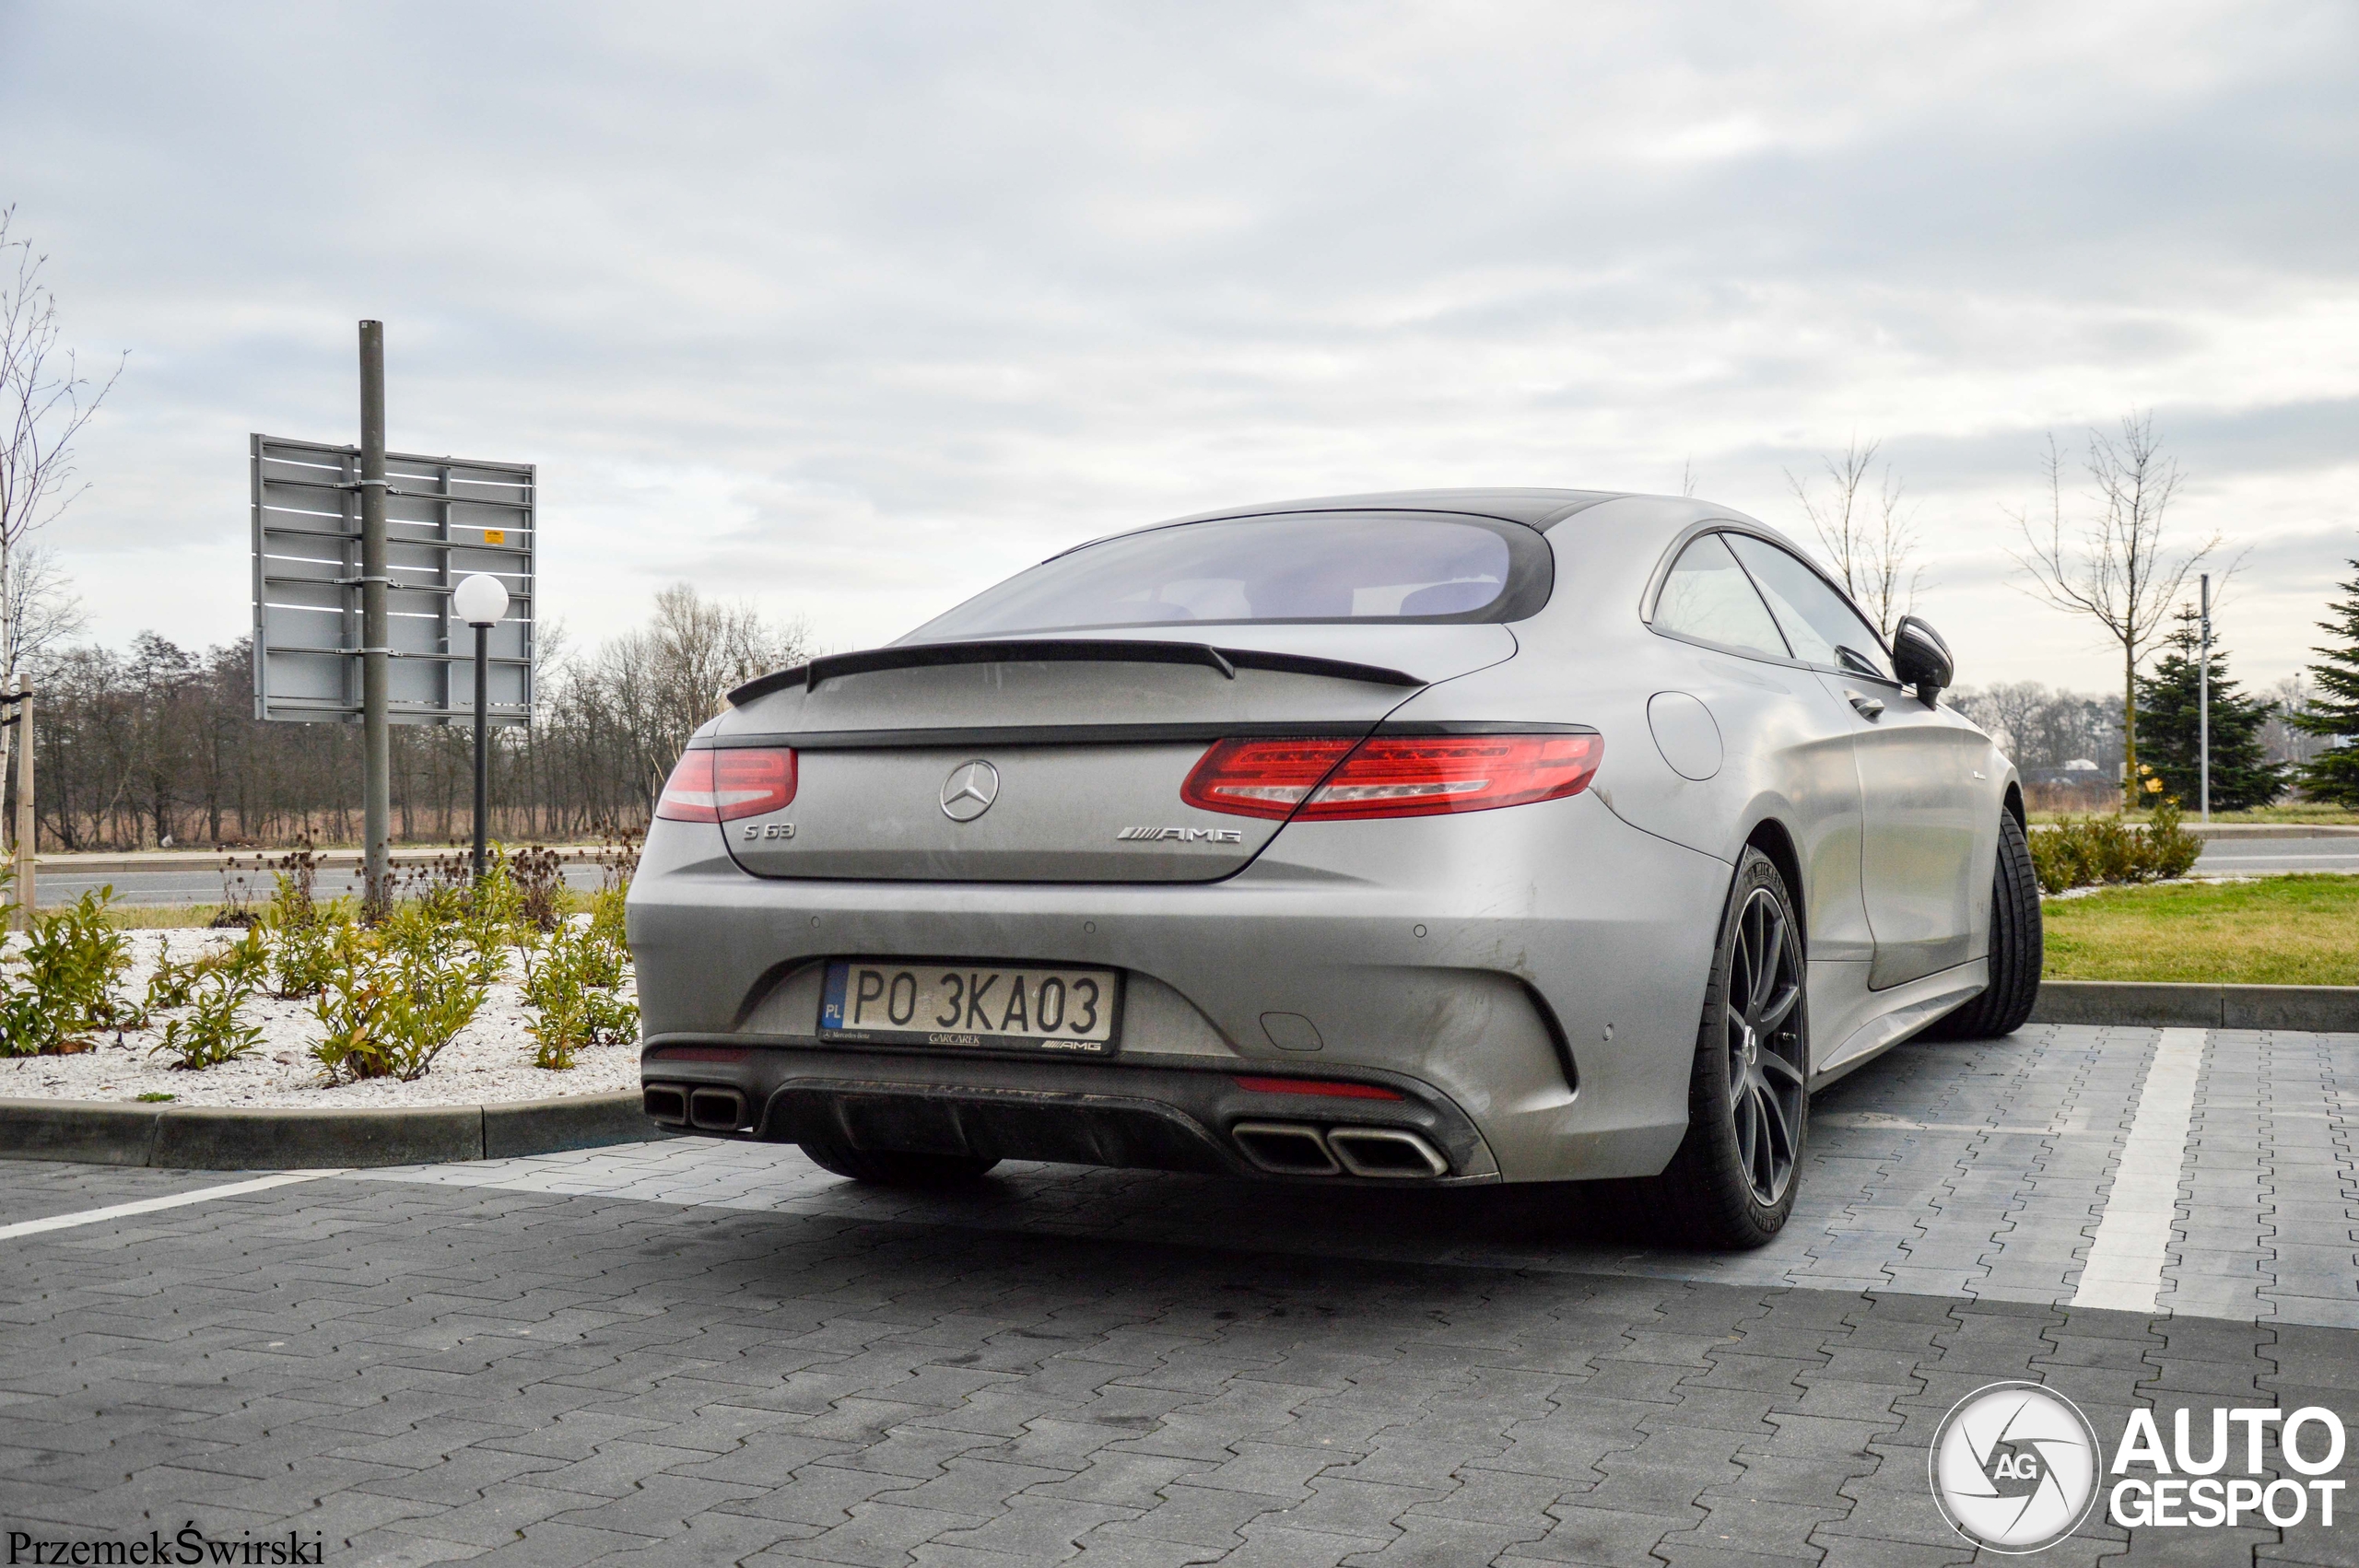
{"x": 1084, "y": 1112}
{"x": 1532, "y": 975}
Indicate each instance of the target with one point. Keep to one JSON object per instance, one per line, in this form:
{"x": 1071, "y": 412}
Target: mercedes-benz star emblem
{"x": 969, "y": 790}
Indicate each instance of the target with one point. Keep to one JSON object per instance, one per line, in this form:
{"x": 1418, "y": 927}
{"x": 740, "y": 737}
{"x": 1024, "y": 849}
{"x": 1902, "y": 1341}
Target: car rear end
{"x": 1249, "y": 898}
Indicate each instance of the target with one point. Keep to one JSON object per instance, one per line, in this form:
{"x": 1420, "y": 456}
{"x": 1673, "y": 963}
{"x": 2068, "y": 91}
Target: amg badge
{"x": 1184, "y": 835}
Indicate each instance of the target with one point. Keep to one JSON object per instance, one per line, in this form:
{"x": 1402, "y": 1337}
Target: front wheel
{"x": 2018, "y": 949}
{"x": 1732, "y": 1184}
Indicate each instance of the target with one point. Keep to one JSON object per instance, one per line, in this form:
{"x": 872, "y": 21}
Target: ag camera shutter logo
{"x": 2014, "y": 1468}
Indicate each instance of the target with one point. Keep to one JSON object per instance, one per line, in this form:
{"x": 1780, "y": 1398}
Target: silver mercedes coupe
{"x": 1412, "y": 839}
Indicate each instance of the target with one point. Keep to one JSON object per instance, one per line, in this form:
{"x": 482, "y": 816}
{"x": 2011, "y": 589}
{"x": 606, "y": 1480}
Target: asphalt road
{"x": 2264, "y": 857}
{"x": 691, "y": 1352}
{"x": 2227, "y": 857}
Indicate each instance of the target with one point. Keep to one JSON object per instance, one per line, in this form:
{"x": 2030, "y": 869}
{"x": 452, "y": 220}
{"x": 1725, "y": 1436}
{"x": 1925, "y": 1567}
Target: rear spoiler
{"x": 1053, "y": 650}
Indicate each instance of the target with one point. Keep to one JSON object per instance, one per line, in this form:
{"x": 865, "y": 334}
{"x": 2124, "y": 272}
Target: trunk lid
{"x": 1083, "y": 744}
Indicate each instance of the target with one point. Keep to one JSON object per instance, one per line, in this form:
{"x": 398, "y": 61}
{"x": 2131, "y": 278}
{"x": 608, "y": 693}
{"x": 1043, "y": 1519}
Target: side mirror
{"x": 1922, "y": 659}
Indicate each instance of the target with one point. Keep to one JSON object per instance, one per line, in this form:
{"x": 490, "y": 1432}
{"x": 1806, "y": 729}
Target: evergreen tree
{"x": 2334, "y": 774}
{"x": 2169, "y": 731}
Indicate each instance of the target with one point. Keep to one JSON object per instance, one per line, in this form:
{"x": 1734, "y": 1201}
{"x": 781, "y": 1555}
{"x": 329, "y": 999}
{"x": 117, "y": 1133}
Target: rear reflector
{"x": 720, "y": 786}
{"x": 1334, "y": 780}
{"x": 701, "y": 1053}
{"x": 1325, "y": 1086}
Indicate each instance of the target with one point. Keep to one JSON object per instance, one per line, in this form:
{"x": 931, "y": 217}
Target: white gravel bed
{"x": 491, "y": 1058}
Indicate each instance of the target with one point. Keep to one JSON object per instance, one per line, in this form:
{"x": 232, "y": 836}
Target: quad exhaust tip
{"x": 1286, "y": 1147}
{"x": 716, "y": 1110}
{"x": 706, "y": 1109}
{"x": 1385, "y": 1152}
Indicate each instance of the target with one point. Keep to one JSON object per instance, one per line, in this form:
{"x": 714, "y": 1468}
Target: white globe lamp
{"x": 480, "y": 600}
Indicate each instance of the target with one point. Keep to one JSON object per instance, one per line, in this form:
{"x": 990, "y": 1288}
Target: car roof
{"x": 1534, "y": 508}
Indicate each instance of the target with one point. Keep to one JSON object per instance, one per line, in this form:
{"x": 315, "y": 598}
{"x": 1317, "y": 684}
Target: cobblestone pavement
{"x": 692, "y": 1352}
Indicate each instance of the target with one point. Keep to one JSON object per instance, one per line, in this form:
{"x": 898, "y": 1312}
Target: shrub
{"x": 490, "y": 916}
{"x": 606, "y": 912}
{"x": 24, "y": 1029}
{"x": 248, "y": 958}
{"x": 73, "y": 965}
{"x": 425, "y": 930}
{"x": 244, "y": 964}
{"x": 2089, "y": 850}
{"x": 210, "y": 1034}
{"x": 301, "y": 938}
{"x": 573, "y": 984}
{"x": 356, "y": 1007}
{"x": 439, "y": 1000}
{"x": 174, "y": 984}
{"x": 390, "y": 1011}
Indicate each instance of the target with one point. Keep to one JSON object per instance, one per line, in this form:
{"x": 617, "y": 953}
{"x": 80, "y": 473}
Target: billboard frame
{"x": 457, "y": 516}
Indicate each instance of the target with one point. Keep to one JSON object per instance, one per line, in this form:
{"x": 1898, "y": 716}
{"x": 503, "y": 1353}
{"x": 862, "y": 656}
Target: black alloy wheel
{"x": 1732, "y": 1184}
{"x": 2018, "y": 947}
{"x": 1765, "y": 1071}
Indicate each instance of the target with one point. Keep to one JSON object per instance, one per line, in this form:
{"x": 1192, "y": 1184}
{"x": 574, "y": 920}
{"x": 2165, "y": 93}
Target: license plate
{"x": 1067, "y": 1010}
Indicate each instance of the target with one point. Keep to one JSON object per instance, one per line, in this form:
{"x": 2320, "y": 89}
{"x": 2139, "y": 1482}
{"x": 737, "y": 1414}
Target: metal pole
{"x": 376, "y": 768}
{"x": 2203, "y": 703}
{"x": 483, "y": 747}
{"x": 27, "y": 824}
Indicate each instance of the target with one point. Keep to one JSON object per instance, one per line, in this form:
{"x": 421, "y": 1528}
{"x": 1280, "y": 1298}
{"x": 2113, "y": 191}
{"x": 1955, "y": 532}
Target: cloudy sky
{"x": 851, "y": 309}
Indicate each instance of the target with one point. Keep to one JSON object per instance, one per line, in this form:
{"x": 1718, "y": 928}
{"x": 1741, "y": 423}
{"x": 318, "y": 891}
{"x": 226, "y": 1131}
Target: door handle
{"x": 1869, "y": 707}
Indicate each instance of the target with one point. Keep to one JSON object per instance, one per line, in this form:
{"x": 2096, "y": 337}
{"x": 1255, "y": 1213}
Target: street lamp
{"x": 480, "y": 601}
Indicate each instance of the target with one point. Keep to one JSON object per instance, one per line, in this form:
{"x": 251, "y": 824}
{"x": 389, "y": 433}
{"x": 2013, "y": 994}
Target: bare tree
{"x": 42, "y": 610}
{"x": 651, "y": 688}
{"x": 1865, "y": 529}
{"x": 2283, "y": 736}
{"x": 44, "y": 403}
{"x": 2011, "y": 710}
{"x": 2116, "y": 571}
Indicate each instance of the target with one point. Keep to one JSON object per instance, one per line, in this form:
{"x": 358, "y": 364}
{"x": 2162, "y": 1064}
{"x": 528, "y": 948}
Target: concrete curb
{"x": 2311, "y": 1009}
{"x": 231, "y": 1137}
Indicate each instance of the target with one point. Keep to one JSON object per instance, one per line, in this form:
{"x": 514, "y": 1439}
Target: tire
{"x": 2017, "y": 948}
{"x": 888, "y": 1167}
{"x": 1732, "y": 1184}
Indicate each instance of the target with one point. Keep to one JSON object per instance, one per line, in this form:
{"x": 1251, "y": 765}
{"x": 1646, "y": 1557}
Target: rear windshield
{"x": 1292, "y": 566}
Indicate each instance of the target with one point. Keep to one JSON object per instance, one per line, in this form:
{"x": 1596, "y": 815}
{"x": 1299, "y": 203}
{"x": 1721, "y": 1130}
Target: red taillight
{"x": 1326, "y": 1086}
{"x": 721, "y": 785}
{"x": 1260, "y": 778}
{"x": 1324, "y": 780}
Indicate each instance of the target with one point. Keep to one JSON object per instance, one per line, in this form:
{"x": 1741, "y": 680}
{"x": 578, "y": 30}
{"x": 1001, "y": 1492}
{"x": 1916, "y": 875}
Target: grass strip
{"x": 2277, "y": 930}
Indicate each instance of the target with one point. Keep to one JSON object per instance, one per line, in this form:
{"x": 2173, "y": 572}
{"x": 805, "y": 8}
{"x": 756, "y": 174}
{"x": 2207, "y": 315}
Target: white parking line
{"x": 2125, "y": 1268}
{"x": 150, "y": 1205}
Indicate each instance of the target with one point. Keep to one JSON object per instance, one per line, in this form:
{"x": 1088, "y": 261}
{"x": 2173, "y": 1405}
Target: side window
{"x": 1821, "y": 626}
{"x": 1708, "y": 597}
